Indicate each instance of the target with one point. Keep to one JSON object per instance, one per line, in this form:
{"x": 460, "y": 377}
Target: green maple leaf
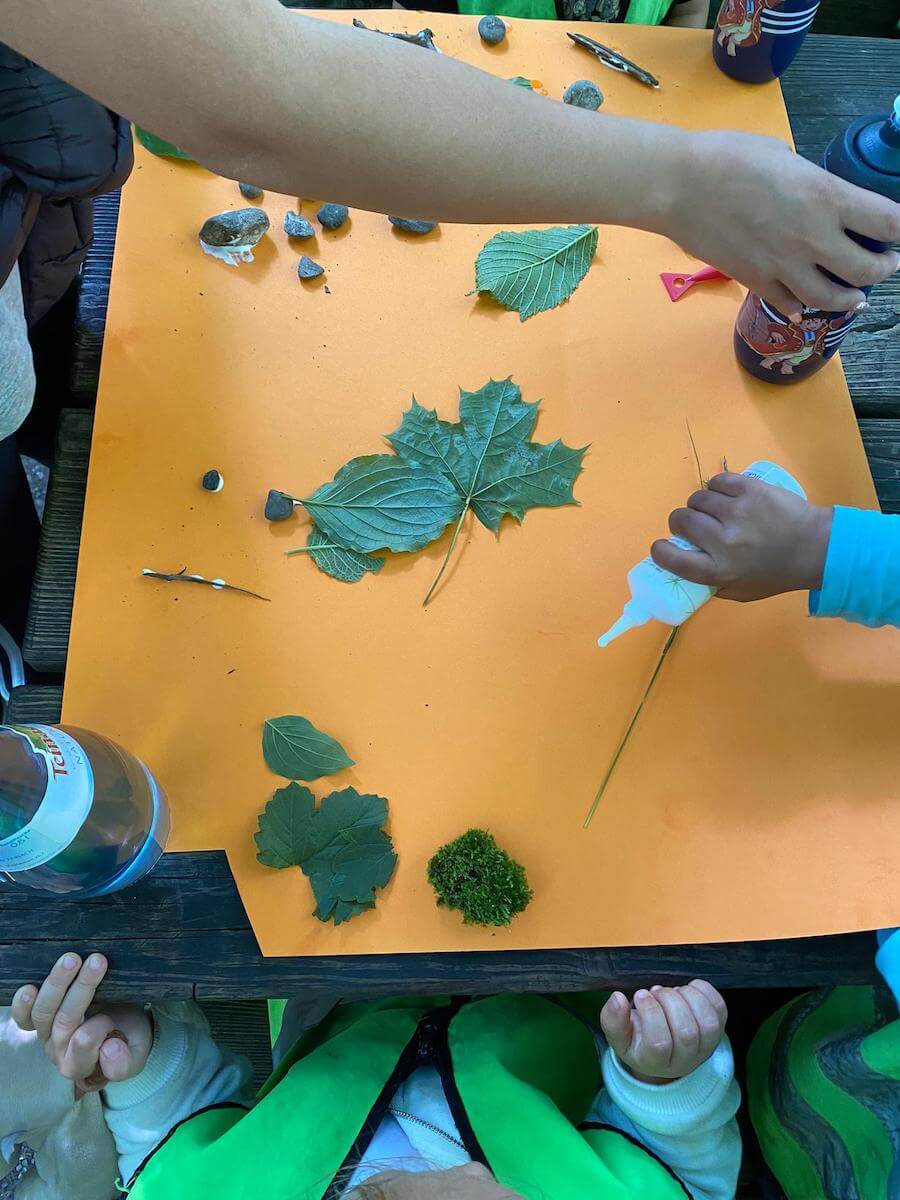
{"x": 489, "y": 458}
{"x": 337, "y": 561}
{"x": 380, "y": 502}
{"x": 340, "y": 847}
{"x": 535, "y": 270}
{"x": 294, "y": 748}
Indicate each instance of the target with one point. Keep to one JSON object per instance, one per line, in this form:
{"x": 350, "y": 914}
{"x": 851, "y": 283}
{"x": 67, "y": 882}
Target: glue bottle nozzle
{"x": 632, "y": 615}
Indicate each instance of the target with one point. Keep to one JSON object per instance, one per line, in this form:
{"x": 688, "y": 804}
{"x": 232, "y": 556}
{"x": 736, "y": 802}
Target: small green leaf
{"x": 521, "y": 81}
{"x": 535, "y": 270}
{"x": 159, "y": 146}
{"x": 294, "y": 748}
{"x": 337, "y": 561}
{"x": 340, "y": 847}
{"x": 380, "y": 502}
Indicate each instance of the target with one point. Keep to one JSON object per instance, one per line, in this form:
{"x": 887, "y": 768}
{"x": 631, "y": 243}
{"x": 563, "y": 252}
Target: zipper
{"x": 400, "y": 1115}
{"x": 428, "y": 1046}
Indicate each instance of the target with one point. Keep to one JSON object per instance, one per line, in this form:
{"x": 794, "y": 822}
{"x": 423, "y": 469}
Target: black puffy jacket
{"x": 57, "y": 149}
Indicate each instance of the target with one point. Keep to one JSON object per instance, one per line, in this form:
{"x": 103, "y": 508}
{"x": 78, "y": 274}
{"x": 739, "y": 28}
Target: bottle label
{"x": 66, "y": 803}
{"x": 787, "y": 348}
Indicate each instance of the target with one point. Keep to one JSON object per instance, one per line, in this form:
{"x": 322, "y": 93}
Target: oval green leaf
{"x": 294, "y": 748}
{"x": 536, "y": 270}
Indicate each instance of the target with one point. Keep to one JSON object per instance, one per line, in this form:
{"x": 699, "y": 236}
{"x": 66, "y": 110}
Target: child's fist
{"x": 91, "y": 1045}
{"x": 667, "y": 1032}
{"x": 753, "y": 539}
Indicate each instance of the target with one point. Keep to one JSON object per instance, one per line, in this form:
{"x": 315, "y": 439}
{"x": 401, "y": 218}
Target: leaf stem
{"x": 631, "y": 724}
{"x": 450, "y": 549}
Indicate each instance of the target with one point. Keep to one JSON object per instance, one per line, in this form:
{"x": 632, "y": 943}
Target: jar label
{"x": 66, "y": 804}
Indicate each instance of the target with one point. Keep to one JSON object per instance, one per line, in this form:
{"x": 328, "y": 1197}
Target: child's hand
{"x": 92, "y": 1046}
{"x": 772, "y": 220}
{"x": 753, "y": 539}
{"x": 668, "y": 1032}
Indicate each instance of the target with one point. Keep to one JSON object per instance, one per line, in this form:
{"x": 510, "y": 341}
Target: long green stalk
{"x": 631, "y": 724}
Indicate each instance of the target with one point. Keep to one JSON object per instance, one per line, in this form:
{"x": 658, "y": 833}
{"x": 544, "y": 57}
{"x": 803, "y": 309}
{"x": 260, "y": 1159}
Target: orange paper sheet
{"x": 758, "y": 798}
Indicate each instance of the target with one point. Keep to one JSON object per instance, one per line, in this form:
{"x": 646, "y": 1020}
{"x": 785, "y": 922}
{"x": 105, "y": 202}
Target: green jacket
{"x": 640, "y": 12}
{"x": 519, "y": 1072}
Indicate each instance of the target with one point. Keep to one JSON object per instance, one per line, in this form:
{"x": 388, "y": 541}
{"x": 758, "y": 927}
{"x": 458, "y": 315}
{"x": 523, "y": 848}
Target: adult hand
{"x": 667, "y": 1032}
{"x": 753, "y": 539}
{"x": 471, "y": 1182}
{"x": 775, "y": 222}
{"x": 92, "y": 1045}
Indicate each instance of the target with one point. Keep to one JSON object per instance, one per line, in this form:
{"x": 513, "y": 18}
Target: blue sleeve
{"x": 887, "y": 960}
{"x": 861, "y": 580}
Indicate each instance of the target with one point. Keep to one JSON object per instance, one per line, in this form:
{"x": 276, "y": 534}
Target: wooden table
{"x": 183, "y": 931}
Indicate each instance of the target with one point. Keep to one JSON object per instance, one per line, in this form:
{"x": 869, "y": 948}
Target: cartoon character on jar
{"x": 740, "y": 23}
{"x": 785, "y": 346}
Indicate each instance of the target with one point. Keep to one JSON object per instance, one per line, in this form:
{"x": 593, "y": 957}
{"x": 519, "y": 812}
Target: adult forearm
{"x": 310, "y": 107}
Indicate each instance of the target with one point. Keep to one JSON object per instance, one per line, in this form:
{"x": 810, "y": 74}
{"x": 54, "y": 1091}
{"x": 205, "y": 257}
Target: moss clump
{"x": 473, "y": 875}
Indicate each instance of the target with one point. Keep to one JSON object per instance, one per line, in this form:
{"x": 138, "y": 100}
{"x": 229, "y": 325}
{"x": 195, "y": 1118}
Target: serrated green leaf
{"x": 488, "y": 455}
{"x": 337, "y": 561}
{"x": 380, "y": 502}
{"x": 341, "y": 847}
{"x": 294, "y": 748}
{"x": 284, "y": 838}
{"x": 535, "y": 270}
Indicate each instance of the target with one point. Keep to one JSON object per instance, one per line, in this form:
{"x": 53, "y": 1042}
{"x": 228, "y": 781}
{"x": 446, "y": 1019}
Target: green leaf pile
{"x": 485, "y": 461}
{"x": 535, "y": 270}
{"x": 294, "y": 748}
{"x": 340, "y": 846}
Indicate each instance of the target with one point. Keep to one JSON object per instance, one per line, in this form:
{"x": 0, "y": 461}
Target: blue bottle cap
{"x": 878, "y": 144}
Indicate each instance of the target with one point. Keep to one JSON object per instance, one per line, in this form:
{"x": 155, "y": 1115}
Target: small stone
{"x": 492, "y": 30}
{"x": 297, "y": 226}
{"x": 212, "y": 481}
{"x": 307, "y": 269}
{"x": 249, "y": 191}
{"x": 583, "y": 93}
{"x": 408, "y": 226}
{"x": 278, "y": 506}
{"x": 232, "y": 235}
{"x": 332, "y": 216}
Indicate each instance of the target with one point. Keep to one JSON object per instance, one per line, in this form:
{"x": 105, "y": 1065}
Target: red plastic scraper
{"x": 677, "y": 284}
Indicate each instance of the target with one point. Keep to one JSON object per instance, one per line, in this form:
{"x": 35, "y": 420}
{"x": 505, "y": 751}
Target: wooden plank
{"x": 869, "y": 18}
{"x": 46, "y": 640}
{"x": 882, "y": 442}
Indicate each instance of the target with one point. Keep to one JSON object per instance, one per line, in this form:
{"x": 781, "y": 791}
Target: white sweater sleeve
{"x": 186, "y": 1071}
{"x": 688, "y": 1124}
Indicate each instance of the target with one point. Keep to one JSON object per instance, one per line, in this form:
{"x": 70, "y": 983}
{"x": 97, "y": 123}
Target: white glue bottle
{"x": 659, "y": 594}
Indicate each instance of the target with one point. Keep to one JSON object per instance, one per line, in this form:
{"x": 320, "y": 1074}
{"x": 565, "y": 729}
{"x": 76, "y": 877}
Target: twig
{"x": 703, "y": 482}
{"x": 219, "y": 584}
{"x": 424, "y": 38}
{"x": 631, "y": 724}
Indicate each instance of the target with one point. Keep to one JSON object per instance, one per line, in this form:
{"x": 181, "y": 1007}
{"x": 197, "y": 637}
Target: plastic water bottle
{"x": 767, "y": 343}
{"x": 660, "y": 595}
{"x": 79, "y": 816}
{"x": 757, "y": 40}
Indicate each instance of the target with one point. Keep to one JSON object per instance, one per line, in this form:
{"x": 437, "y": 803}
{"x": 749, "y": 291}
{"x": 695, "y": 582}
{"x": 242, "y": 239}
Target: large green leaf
{"x": 294, "y": 748}
{"x": 488, "y": 455}
{"x": 337, "y": 561}
{"x": 381, "y": 502}
{"x": 340, "y": 847}
{"x": 536, "y": 270}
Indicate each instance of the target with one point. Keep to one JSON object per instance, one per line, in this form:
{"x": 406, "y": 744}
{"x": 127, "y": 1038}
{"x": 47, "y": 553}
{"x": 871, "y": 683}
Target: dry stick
{"x": 631, "y": 724}
{"x": 219, "y": 584}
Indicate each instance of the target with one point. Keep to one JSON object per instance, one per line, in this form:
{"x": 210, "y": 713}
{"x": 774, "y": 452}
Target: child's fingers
{"x": 714, "y": 504}
{"x": 715, "y": 997}
{"x": 23, "y": 1003}
{"x": 52, "y": 992}
{"x": 615, "y": 1021}
{"x": 708, "y": 1020}
{"x": 83, "y": 1048}
{"x": 729, "y": 483}
{"x": 784, "y": 300}
{"x": 700, "y": 529}
{"x": 682, "y": 1022}
{"x": 693, "y": 565}
{"x": 77, "y": 1000}
{"x": 655, "y": 1035}
{"x": 116, "y": 1058}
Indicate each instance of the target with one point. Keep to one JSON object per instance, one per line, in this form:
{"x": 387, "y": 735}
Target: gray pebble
{"x": 492, "y": 30}
{"x": 278, "y": 506}
{"x": 583, "y": 93}
{"x": 242, "y": 226}
{"x": 297, "y": 226}
{"x": 408, "y": 226}
{"x": 332, "y": 216}
{"x": 249, "y": 191}
{"x": 307, "y": 269}
{"x": 212, "y": 481}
